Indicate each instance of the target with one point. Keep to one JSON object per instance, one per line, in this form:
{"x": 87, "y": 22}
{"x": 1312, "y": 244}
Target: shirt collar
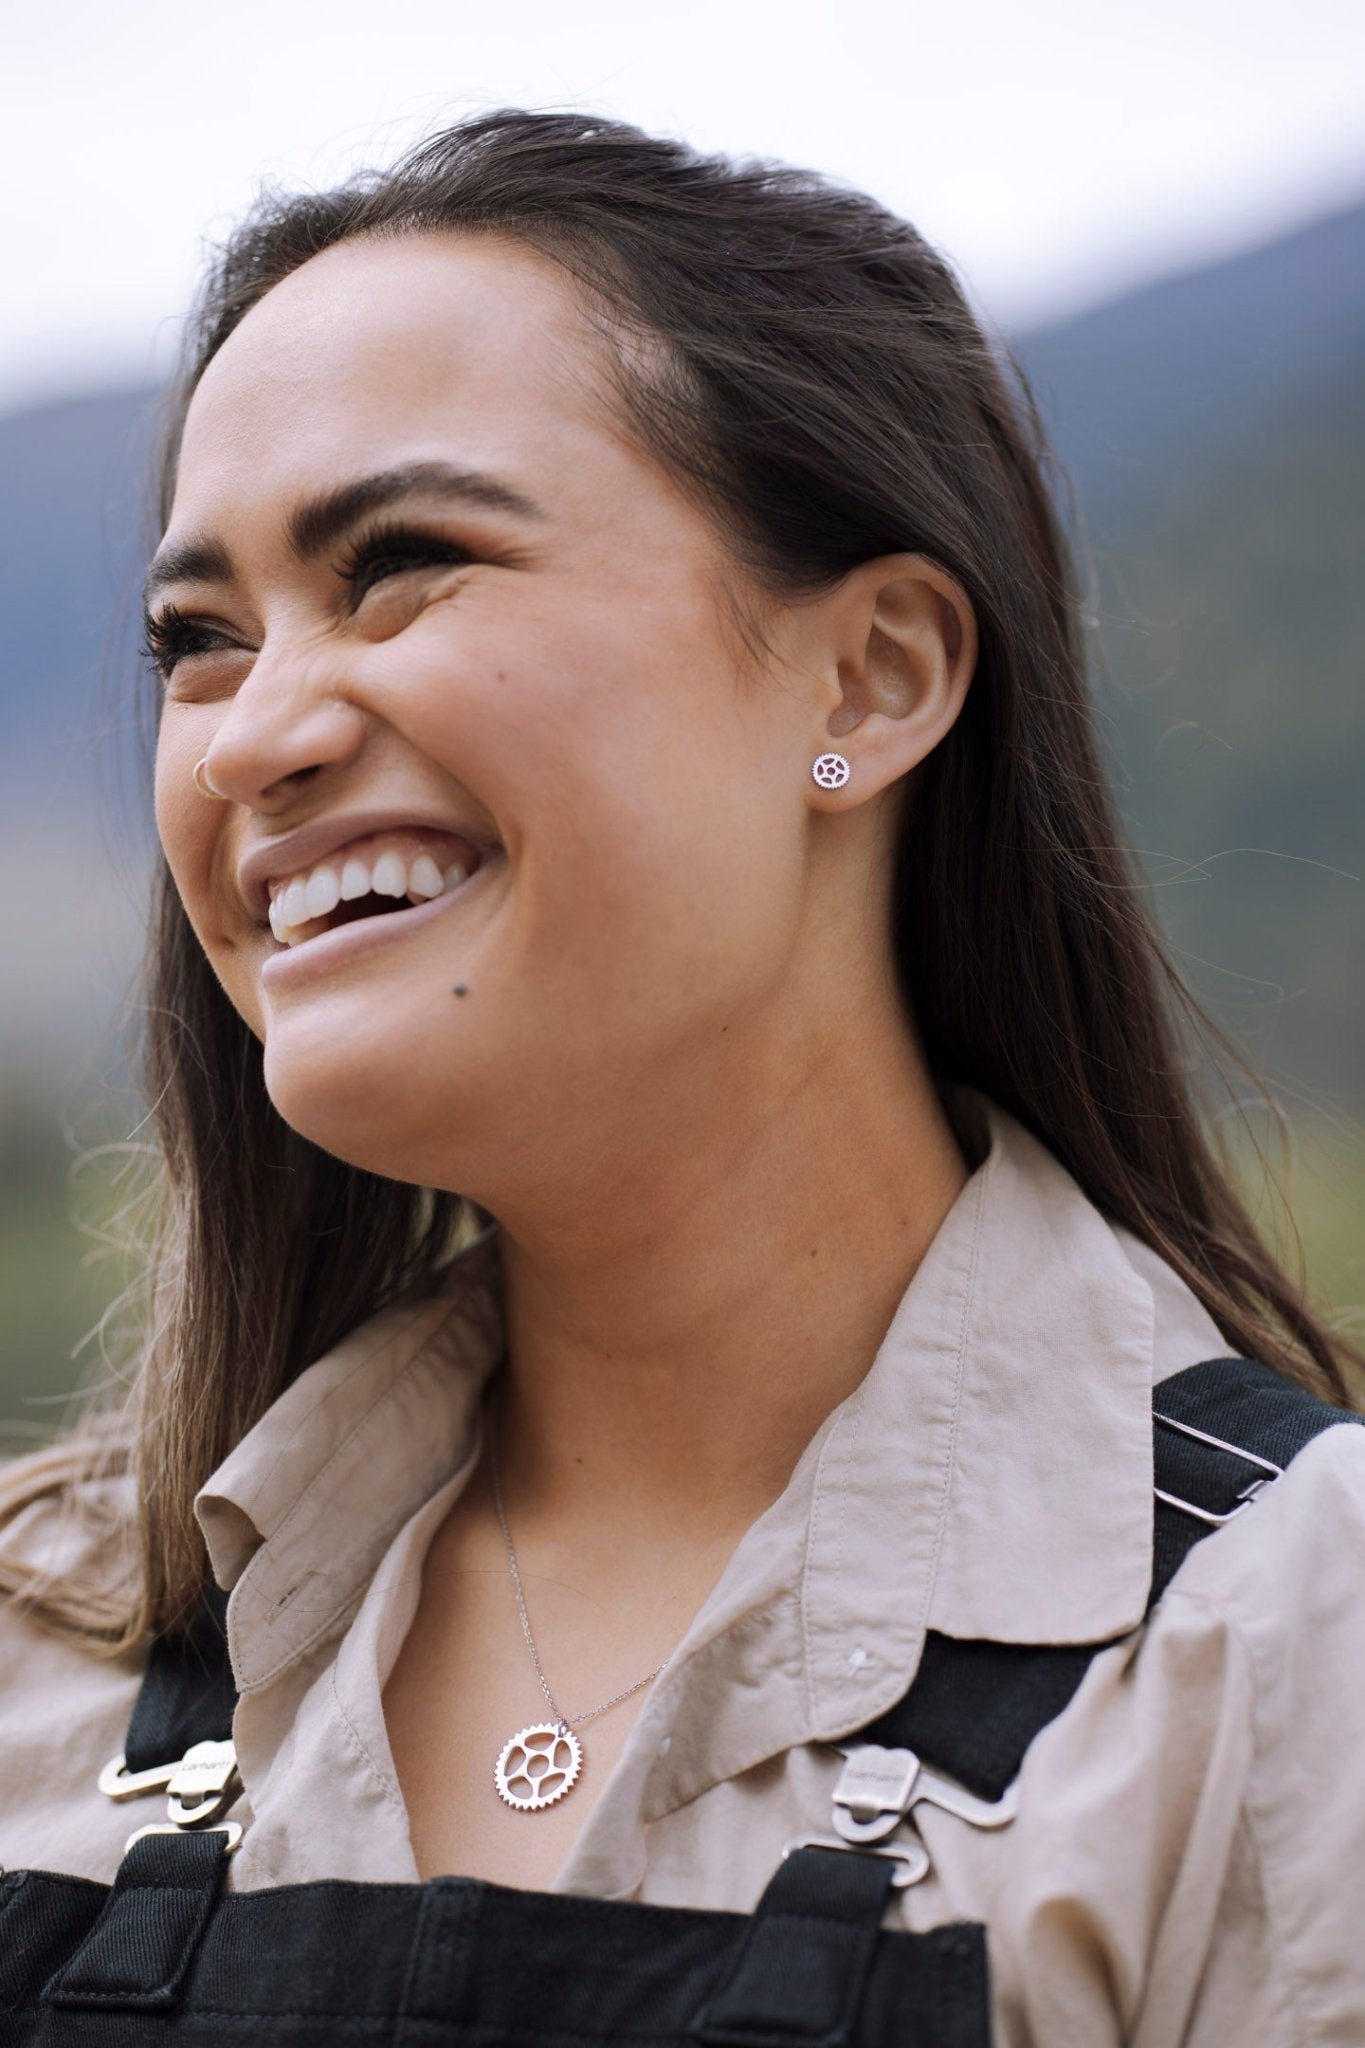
{"x": 991, "y": 1477}
{"x": 299, "y": 1514}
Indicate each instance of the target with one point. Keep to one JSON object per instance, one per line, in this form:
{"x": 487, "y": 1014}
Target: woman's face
{"x": 427, "y": 607}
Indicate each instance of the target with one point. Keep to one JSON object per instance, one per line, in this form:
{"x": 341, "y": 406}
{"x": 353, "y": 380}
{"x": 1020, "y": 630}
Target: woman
{"x": 681, "y": 1182}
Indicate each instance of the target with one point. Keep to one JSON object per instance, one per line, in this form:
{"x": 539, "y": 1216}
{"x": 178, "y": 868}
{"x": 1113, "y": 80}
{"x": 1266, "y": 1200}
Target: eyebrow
{"x": 319, "y": 521}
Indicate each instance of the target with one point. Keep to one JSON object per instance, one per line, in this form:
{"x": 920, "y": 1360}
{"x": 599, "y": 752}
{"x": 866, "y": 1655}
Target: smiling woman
{"x": 682, "y": 1199}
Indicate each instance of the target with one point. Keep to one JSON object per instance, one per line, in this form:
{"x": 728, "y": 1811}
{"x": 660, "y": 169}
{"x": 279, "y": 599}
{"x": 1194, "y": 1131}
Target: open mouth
{"x": 371, "y": 877}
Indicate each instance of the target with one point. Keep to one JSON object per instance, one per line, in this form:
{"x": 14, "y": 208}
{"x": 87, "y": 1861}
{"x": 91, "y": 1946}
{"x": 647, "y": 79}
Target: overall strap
{"x": 801, "y": 1977}
{"x": 135, "y": 1957}
{"x": 805, "y": 1955}
{"x": 188, "y": 1694}
{"x": 1222, "y": 1431}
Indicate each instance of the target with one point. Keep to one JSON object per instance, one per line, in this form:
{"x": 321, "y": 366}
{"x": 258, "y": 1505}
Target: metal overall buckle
{"x": 199, "y": 1789}
{"x": 1270, "y": 1472}
{"x": 878, "y": 1788}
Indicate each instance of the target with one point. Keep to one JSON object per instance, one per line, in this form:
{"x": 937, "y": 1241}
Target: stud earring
{"x": 831, "y": 771}
{"x": 203, "y": 785}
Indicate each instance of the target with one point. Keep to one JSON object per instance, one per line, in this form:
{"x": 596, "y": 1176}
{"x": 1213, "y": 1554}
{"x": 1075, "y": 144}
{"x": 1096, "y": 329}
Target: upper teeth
{"x": 298, "y": 902}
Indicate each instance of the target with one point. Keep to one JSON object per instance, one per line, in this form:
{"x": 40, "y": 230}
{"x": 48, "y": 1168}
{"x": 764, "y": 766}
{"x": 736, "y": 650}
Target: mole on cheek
{"x": 460, "y": 989}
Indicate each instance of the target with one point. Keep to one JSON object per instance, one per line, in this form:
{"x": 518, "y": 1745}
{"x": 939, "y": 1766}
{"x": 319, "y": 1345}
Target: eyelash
{"x": 405, "y": 545}
{"x": 171, "y": 635}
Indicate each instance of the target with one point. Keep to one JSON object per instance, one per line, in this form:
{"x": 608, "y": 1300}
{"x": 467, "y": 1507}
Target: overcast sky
{"x": 1056, "y": 149}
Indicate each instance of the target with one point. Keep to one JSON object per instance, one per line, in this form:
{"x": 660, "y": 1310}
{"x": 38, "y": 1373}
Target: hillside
{"x": 1214, "y": 428}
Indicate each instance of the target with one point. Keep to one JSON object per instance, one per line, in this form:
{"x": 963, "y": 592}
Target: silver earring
{"x": 831, "y": 771}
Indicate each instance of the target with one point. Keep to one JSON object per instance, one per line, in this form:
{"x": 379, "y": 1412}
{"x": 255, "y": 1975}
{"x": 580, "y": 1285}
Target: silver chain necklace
{"x": 539, "y": 1764}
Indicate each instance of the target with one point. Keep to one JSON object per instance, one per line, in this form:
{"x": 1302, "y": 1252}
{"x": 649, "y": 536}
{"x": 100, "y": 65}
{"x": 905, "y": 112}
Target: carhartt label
{"x": 876, "y": 1780}
{"x": 205, "y": 1768}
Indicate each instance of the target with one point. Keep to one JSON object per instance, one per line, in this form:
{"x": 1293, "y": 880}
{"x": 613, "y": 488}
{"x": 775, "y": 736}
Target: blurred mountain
{"x": 73, "y": 534}
{"x": 1149, "y": 386}
{"x": 74, "y": 834}
{"x": 1213, "y": 425}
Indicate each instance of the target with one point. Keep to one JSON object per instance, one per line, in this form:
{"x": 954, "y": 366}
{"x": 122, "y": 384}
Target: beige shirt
{"x": 1188, "y": 1861}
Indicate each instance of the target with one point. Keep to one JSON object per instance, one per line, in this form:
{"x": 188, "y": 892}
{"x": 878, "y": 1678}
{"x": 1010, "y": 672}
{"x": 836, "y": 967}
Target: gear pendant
{"x": 538, "y": 1766}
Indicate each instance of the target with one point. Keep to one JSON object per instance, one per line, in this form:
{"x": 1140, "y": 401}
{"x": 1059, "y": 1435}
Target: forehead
{"x": 373, "y": 353}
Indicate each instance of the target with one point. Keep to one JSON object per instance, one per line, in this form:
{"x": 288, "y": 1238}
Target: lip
{"x": 337, "y": 949}
{"x": 274, "y": 860}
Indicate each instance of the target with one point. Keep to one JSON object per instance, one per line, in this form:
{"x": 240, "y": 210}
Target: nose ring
{"x": 202, "y": 783}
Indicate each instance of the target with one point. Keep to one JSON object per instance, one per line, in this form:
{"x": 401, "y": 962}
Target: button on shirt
{"x": 1188, "y": 1860}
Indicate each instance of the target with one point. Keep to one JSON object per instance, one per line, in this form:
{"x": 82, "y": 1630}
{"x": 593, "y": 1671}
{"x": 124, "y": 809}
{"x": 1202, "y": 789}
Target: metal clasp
{"x": 200, "y": 1787}
{"x": 1249, "y": 1491}
{"x": 116, "y": 1781}
{"x": 875, "y": 1790}
{"x": 204, "y": 1785}
{"x": 956, "y": 1799}
{"x": 879, "y": 1788}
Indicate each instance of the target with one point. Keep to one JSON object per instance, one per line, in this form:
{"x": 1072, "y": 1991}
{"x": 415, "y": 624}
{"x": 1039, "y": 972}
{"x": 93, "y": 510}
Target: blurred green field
{"x": 56, "y": 1282}
{"x": 1310, "y": 1210}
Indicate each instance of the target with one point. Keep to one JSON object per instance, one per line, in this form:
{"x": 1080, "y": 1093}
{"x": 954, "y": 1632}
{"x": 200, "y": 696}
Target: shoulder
{"x": 67, "y": 1516}
{"x": 1278, "y": 1595}
{"x": 1294, "y": 1560}
{"x": 1268, "y": 1617}
{"x": 1196, "y": 1816}
{"x": 1262, "y": 1626}
{"x": 65, "y": 1701}
{"x": 1246, "y": 1682}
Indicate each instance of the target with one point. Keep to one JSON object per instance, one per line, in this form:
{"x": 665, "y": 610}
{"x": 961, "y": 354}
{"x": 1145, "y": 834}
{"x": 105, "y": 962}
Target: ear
{"x": 900, "y": 654}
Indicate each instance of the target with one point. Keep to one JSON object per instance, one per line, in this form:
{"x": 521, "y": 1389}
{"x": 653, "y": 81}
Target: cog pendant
{"x": 538, "y": 1766}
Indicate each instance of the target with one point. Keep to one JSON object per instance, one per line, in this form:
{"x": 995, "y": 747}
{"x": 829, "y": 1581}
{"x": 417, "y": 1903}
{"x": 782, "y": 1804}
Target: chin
{"x": 363, "y": 1110}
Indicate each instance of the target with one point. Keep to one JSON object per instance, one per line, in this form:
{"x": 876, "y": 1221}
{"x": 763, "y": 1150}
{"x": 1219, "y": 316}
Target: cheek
{"x": 178, "y": 804}
{"x": 558, "y": 713}
{"x": 633, "y": 783}
{"x": 188, "y": 826}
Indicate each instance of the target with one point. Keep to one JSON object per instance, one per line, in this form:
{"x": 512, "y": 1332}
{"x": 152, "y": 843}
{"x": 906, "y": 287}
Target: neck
{"x": 671, "y": 1355}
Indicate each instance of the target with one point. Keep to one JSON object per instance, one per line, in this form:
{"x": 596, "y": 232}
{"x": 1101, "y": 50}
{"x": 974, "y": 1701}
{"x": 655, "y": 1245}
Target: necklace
{"x": 539, "y": 1764}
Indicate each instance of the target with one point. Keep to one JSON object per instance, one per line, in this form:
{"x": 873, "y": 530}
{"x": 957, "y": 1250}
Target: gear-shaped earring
{"x": 831, "y": 771}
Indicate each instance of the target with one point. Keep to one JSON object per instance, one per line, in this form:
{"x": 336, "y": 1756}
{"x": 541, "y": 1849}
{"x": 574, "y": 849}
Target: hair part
{"x": 807, "y": 366}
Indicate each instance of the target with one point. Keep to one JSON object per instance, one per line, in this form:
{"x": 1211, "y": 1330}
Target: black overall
{"x": 164, "y": 1956}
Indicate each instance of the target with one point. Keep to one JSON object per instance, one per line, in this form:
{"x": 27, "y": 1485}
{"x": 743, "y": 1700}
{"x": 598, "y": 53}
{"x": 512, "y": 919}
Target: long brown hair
{"x": 803, "y": 361}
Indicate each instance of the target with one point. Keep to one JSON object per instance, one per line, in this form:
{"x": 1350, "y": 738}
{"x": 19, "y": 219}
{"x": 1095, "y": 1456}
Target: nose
{"x": 291, "y": 718}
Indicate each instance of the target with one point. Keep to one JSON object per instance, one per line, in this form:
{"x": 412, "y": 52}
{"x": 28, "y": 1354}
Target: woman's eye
{"x": 377, "y": 557}
{"x": 171, "y": 636}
